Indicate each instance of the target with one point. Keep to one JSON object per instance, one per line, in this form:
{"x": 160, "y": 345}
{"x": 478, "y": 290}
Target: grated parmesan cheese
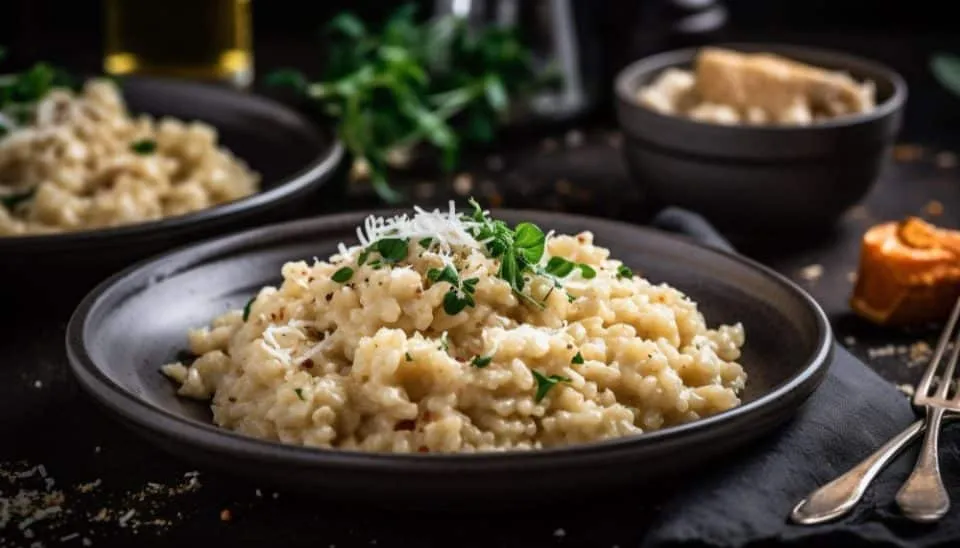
{"x": 446, "y": 229}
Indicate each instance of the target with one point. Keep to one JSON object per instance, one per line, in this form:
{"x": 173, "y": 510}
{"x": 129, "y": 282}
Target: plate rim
{"x": 210, "y": 437}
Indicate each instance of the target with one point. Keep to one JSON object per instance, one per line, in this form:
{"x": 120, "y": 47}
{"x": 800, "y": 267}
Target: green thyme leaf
{"x": 299, "y": 392}
{"x": 446, "y": 274}
{"x": 453, "y": 304}
{"x": 570, "y": 298}
{"x": 587, "y": 271}
{"x": 342, "y": 275}
{"x": 577, "y": 358}
{"x": 425, "y": 243}
{"x": 13, "y": 200}
{"x": 144, "y": 146}
{"x": 362, "y": 257}
{"x": 623, "y": 271}
{"x": 408, "y": 356}
{"x": 544, "y": 383}
{"x": 392, "y": 250}
{"x": 559, "y": 267}
{"x": 481, "y": 361}
{"x": 246, "y": 308}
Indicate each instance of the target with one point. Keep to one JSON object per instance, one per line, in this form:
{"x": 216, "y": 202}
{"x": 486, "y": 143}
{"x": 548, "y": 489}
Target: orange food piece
{"x": 909, "y": 273}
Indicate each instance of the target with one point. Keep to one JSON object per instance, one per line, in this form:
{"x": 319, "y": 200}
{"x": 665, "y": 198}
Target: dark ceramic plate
{"x": 136, "y": 321}
{"x": 295, "y": 160}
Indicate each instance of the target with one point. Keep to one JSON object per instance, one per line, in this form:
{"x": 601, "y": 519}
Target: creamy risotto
{"x": 80, "y": 161}
{"x": 440, "y": 334}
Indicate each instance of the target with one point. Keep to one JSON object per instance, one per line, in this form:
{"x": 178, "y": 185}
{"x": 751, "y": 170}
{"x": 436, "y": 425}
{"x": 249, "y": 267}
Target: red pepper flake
{"x": 405, "y": 425}
{"x": 423, "y": 449}
{"x": 307, "y": 363}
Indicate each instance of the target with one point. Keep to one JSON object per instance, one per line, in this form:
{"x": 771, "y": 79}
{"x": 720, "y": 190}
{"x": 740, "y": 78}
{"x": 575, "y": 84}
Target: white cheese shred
{"x": 446, "y": 229}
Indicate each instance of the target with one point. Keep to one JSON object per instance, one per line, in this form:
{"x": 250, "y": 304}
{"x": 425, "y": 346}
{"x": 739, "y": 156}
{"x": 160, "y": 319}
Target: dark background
{"x": 901, "y": 33}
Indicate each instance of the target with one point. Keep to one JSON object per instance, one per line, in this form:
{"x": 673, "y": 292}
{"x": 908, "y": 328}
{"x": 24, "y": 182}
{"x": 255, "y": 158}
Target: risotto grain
{"x": 83, "y": 162}
{"x": 362, "y": 351}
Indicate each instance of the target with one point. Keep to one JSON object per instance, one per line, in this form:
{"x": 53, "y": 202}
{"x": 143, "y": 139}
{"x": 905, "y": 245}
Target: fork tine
{"x": 923, "y": 389}
{"x": 944, "y": 386}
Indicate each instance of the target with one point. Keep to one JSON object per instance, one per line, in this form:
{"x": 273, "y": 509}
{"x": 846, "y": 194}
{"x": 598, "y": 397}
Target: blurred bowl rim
{"x": 325, "y": 161}
{"x": 625, "y": 85}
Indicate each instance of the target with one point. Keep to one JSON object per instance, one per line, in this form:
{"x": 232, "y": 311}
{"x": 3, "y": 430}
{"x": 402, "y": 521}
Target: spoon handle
{"x": 840, "y": 495}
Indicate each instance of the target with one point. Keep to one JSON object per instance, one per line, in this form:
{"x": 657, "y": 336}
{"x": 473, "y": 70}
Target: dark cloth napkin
{"x": 746, "y": 502}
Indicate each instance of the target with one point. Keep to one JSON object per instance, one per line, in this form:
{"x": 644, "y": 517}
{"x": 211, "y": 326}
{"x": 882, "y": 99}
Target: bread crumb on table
{"x": 934, "y": 208}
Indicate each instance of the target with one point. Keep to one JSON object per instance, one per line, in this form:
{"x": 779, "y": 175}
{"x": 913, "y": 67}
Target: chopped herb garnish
{"x": 446, "y": 274}
{"x": 453, "y": 303}
{"x": 559, "y": 267}
{"x": 481, "y": 361}
{"x": 362, "y": 257}
{"x": 623, "y": 271}
{"x": 577, "y": 358}
{"x": 342, "y": 275}
{"x": 570, "y": 298}
{"x": 299, "y": 392}
{"x": 544, "y": 383}
{"x": 425, "y": 243}
{"x": 460, "y": 295}
{"x": 392, "y": 249}
{"x": 376, "y": 264}
{"x": 13, "y": 200}
{"x": 408, "y": 356}
{"x": 246, "y": 308}
{"x": 144, "y": 146}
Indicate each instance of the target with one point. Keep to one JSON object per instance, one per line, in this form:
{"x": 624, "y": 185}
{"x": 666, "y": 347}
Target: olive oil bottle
{"x": 194, "y": 39}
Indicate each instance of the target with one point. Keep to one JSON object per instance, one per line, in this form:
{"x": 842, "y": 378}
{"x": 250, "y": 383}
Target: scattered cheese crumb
{"x": 122, "y": 522}
{"x": 882, "y": 351}
{"x": 906, "y": 389}
{"x": 276, "y": 495}
{"x": 96, "y": 449}
{"x": 67, "y": 538}
{"x": 38, "y": 384}
{"x": 559, "y": 533}
{"x": 946, "y": 159}
{"x": 811, "y": 273}
{"x": 259, "y": 493}
{"x": 920, "y": 353}
{"x": 86, "y": 541}
{"x": 849, "y": 340}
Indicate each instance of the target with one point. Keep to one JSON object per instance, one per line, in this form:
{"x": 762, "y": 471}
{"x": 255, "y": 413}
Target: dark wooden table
{"x": 111, "y": 488}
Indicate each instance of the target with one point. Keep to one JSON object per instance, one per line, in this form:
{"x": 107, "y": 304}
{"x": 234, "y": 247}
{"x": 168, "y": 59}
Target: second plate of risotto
{"x": 453, "y": 352}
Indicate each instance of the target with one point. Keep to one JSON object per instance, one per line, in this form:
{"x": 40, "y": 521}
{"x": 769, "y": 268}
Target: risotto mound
{"x": 448, "y": 333}
{"x": 81, "y": 162}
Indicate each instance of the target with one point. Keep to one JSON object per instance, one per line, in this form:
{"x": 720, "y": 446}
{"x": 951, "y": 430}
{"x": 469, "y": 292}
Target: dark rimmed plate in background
{"x": 136, "y": 321}
{"x": 296, "y": 161}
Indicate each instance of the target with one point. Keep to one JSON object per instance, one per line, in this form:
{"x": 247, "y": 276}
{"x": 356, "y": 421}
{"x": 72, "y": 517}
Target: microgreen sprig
{"x": 545, "y": 383}
{"x": 461, "y": 293}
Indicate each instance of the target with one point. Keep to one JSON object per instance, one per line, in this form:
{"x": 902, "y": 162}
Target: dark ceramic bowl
{"x": 294, "y": 158}
{"x": 747, "y": 178}
{"x": 135, "y": 322}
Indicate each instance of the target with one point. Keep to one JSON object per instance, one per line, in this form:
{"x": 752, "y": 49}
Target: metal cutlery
{"x": 922, "y": 497}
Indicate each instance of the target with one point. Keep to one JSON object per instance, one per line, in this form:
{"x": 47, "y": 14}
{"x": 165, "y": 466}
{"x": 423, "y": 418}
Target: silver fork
{"x": 923, "y": 496}
{"x": 839, "y": 496}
